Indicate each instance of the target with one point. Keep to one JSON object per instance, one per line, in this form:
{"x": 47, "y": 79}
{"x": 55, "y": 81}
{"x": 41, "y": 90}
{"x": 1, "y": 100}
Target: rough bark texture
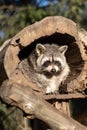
{"x": 31, "y": 103}
{"x": 51, "y": 29}
{"x": 54, "y": 29}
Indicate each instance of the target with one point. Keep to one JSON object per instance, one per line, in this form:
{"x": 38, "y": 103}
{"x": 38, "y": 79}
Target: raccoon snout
{"x": 53, "y": 70}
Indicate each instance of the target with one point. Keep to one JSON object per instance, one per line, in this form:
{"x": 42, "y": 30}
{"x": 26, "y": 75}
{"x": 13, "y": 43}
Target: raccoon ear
{"x": 40, "y": 48}
{"x": 63, "y": 49}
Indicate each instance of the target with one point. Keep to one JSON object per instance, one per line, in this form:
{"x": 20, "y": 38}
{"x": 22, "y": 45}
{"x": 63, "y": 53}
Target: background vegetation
{"x": 17, "y": 14}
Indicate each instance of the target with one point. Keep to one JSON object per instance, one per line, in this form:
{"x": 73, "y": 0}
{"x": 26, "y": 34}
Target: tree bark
{"x": 3, "y": 48}
{"x": 31, "y": 103}
{"x": 55, "y": 29}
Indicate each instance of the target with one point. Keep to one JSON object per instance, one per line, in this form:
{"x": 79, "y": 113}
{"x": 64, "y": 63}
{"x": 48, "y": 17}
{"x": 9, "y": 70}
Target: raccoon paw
{"x": 50, "y": 90}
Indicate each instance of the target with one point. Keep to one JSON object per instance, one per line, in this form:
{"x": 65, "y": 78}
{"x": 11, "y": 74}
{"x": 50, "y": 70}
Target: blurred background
{"x": 17, "y": 14}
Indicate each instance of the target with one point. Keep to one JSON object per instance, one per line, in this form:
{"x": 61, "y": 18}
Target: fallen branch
{"x": 25, "y": 98}
{"x": 64, "y": 96}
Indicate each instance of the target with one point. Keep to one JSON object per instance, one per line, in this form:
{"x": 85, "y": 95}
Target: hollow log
{"x": 55, "y": 29}
{"x": 31, "y": 103}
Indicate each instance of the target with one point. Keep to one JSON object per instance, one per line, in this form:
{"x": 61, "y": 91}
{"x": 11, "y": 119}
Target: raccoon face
{"x": 52, "y": 66}
{"x": 51, "y": 59}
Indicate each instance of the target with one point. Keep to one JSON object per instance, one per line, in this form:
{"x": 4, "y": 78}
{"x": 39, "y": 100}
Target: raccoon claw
{"x": 55, "y": 93}
{"x": 49, "y": 93}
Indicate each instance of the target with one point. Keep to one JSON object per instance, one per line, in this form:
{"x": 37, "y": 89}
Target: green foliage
{"x": 23, "y": 16}
{"x": 74, "y": 10}
{"x": 28, "y": 15}
{"x": 71, "y": 9}
{"x": 10, "y": 119}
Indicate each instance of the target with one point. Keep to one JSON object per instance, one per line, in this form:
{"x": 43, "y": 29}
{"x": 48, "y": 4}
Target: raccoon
{"x": 47, "y": 66}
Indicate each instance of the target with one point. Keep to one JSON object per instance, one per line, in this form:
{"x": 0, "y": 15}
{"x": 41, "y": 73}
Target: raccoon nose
{"x": 53, "y": 70}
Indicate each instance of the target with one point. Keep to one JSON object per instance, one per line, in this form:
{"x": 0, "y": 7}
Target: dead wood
{"x": 3, "y": 48}
{"x": 55, "y": 29}
{"x": 31, "y": 103}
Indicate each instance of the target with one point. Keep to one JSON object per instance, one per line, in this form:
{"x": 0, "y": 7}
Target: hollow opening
{"x": 73, "y": 54}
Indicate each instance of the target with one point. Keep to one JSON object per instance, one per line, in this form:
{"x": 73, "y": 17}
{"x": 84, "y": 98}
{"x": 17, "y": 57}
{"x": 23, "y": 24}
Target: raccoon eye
{"x": 58, "y": 63}
{"x": 46, "y": 64}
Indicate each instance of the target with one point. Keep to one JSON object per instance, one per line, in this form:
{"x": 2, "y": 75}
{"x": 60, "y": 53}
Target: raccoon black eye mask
{"x": 52, "y": 67}
{"x": 58, "y": 63}
{"x": 47, "y": 63}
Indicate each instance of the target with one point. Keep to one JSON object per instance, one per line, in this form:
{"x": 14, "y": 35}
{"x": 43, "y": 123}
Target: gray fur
{"x": 40, "y": 63}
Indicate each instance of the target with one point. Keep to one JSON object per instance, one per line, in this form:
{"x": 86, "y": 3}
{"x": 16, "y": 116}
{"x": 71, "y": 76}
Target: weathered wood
{"x": 58, "y": 29}
{"x": 54, "y": 29}
{"x": 31, "y": 103}
{"x": 46, "y": 27}
{"x": 65, "y": 96}
{"x": 39, "y": 32}
{"x": 3, "y": 73}
{"x": 26, "y": 82}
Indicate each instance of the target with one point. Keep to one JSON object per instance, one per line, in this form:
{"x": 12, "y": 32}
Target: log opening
{"x": 58, "y": 30}
{"x": 73, "y": 55}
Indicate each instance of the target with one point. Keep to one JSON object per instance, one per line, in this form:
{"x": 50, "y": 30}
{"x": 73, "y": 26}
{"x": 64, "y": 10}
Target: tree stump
{"x": 55, "y": 29}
